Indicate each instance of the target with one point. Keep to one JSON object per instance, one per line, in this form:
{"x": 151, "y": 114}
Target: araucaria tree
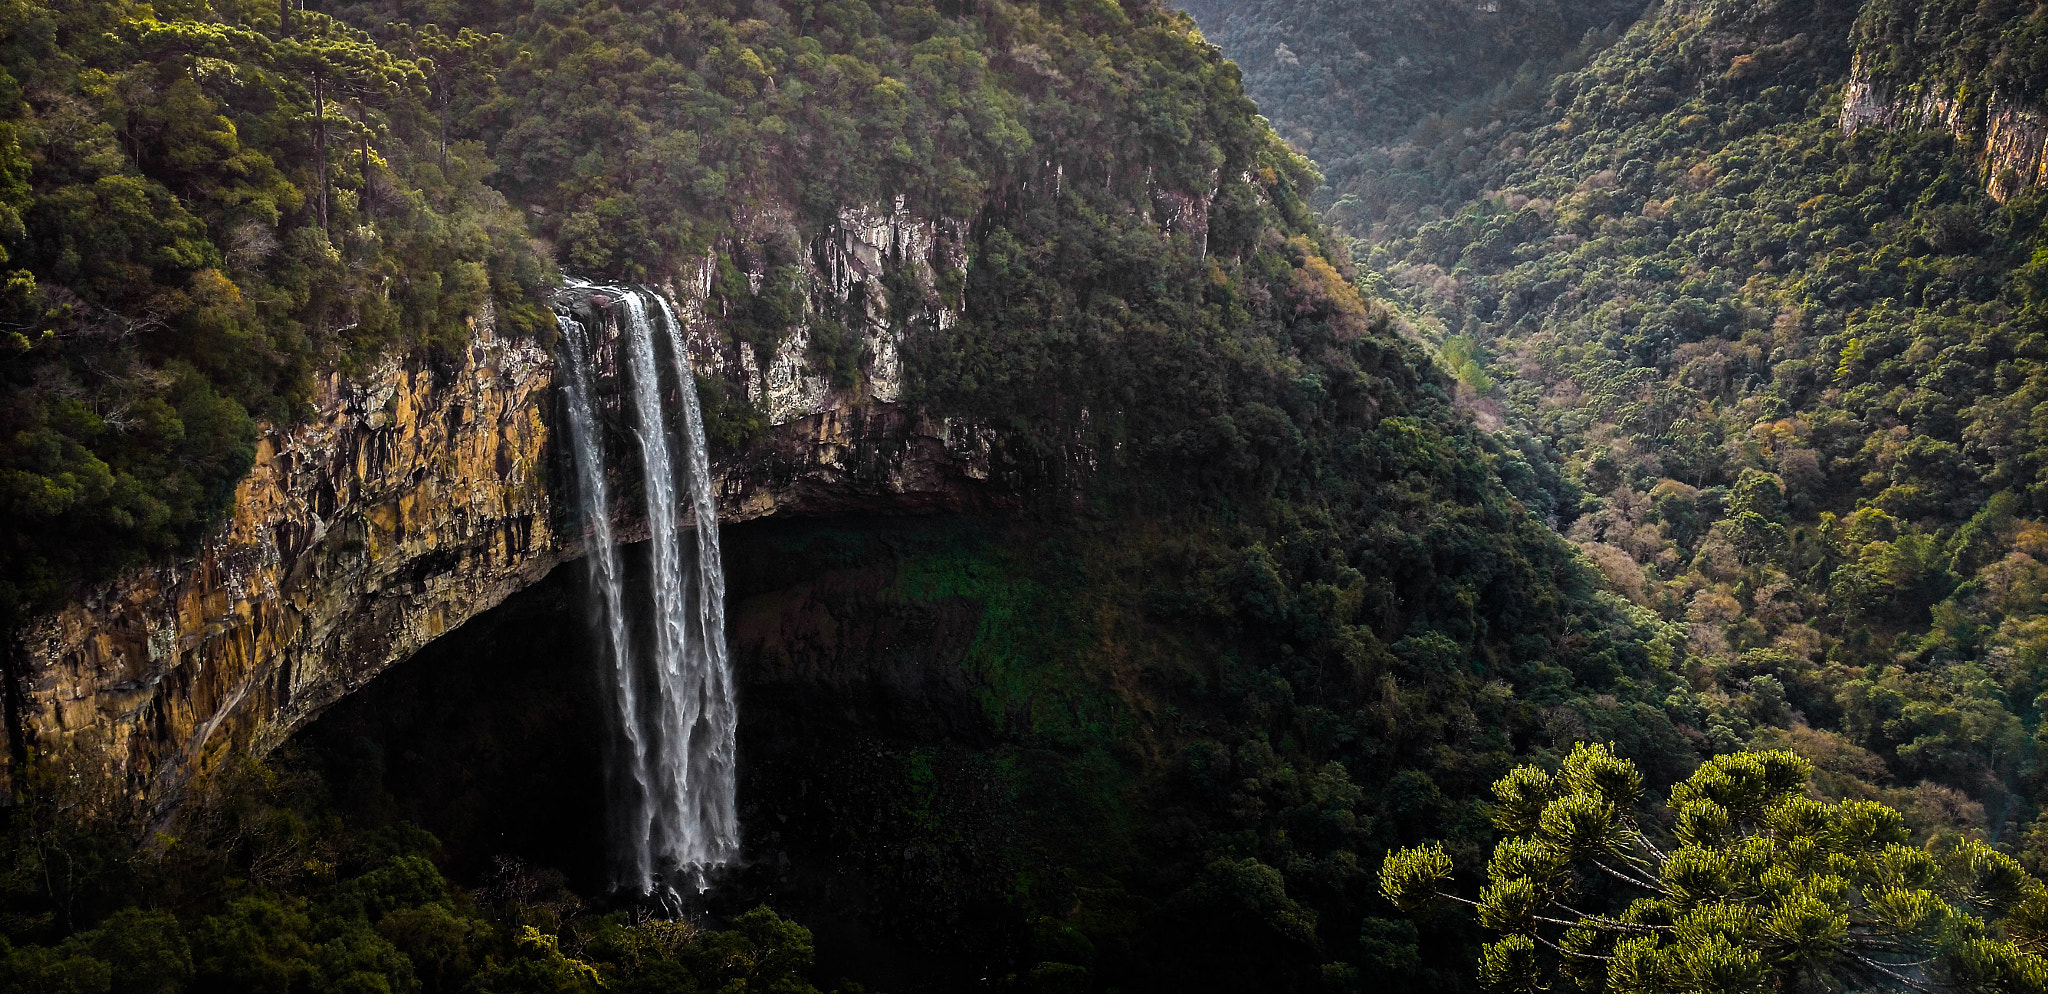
{"x": 1763, "y": 888}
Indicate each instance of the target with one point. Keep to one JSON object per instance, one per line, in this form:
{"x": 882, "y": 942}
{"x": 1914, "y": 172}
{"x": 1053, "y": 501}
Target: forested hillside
{"x": 1366, "y": 89}
{"x": 1285, "y": 596}
{"x": 199, "y": 215}
{"x": 1996, "y": 51}
{"x": 1277, "y": 606}
{"x": 1795, "y": 371}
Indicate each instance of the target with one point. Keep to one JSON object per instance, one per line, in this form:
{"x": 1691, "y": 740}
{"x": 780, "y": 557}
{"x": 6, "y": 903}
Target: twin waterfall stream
{"x": 669, "y": 765}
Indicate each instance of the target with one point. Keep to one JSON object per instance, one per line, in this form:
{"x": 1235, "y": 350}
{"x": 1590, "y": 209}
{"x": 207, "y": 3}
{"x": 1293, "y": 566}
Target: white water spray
{"x": 711, "y": 835}
{"x": 626, "y": 772}
{"x": 674, "y": 818}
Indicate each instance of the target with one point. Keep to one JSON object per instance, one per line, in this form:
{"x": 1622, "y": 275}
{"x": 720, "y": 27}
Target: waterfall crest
{"x": 674, "y": 816}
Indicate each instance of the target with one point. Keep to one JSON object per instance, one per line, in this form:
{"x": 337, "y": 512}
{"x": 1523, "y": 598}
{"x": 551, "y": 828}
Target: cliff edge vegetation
{"x": 199, "y": 215}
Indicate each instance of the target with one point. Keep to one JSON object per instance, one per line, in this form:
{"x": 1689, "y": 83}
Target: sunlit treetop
{"x": 1760, "y": 887}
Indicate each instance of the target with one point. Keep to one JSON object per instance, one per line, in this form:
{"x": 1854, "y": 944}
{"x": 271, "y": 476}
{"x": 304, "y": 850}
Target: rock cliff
{"x": 2010, "y": 142}
{"x": 419, "y": 495}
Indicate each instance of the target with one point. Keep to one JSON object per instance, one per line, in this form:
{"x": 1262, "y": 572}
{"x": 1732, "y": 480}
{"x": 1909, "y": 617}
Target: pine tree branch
{"x": 1625, "y": 878}
{"x": 1566, "y": 952}
{"x": 1617, "y": 923}
{"x": 1900, "y": 977}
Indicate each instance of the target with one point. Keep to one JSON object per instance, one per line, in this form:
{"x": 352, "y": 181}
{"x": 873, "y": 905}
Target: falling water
{"x": 628, "y": 786}
{"x": 710, "y": 832}
{"x": 674, "y": 818}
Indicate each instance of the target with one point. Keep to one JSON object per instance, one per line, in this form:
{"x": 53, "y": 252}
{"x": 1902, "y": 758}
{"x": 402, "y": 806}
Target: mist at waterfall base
{"x": 669, "y": 760}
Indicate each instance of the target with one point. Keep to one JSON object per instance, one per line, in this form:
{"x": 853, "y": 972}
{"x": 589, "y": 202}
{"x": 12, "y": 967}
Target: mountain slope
{"x": 1365, "y": 89}
{"x": 1795, "y": 369}
{"x": 1276, "y": 606}
{"x": 180, "y": 262}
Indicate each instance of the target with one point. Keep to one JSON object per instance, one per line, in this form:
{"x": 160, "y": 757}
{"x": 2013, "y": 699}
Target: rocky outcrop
{"x": 851, "y": 258}
{"x": 2010, "y": 142}
{"x": 421, "y": 494}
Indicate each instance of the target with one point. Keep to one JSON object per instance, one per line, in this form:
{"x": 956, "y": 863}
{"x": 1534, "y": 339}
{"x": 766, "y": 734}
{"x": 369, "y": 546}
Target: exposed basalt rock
{"x": 2009, "y": 141}
{"x": 413, "y": 496}
{"x": 420, "y": 495}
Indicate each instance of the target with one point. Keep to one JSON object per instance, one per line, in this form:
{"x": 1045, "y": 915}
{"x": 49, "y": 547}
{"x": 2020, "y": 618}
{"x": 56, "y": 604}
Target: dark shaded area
{"x": 490, "y": 738}
{"x": 871, "y": 809}
{"x": 1017, "y": 755}
{"x": 872, "y": 802}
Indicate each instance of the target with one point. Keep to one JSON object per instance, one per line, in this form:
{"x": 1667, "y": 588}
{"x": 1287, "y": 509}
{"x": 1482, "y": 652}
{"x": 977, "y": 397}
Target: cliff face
{"x": 420, "y": 495}
{"x": 2010, "y": 142}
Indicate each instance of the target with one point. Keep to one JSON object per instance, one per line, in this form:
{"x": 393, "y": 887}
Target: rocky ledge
{"x": 2009, "y": 141}
{"x": 419, "y": 495}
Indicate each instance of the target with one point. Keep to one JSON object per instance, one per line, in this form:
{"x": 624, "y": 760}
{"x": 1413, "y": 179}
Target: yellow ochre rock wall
{"x": 412, "y": 500}
{"x": 2010, "y": 142}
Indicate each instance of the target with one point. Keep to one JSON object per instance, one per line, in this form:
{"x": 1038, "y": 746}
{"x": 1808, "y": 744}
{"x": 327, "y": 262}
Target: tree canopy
{"x": 201, "y": 212}
{"x": 1786, "y": 376}
{"x": 1757, "y": 887}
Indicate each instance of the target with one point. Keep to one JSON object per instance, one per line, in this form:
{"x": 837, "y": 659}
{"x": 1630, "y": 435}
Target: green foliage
{"x": 1793, "y": 370}
{"x": 1411, "y": 877}
{"x": 1303, "y": 610}
{"x": 731, "y": 423}
{"x": 269, "y": 890}
{"x": 1194, "y": 773}
{"x": 1768, "y": 889}
{"x": 204, "y": 210}
{"x": 638, "y": 131}
{"x": 1967, "y": 52}
{"x": 1385, "y": 621}
{"x": 1366, "y": 88}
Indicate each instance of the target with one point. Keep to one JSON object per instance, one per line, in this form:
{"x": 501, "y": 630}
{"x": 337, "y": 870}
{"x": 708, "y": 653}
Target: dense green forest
{"x": 1290, "y": 592}
{"x": 1303, "y": 612}
{"x": 1795, "y": 373}
{"x": 199, "y": 214}
{"x": 1992, "y": 50}
{"x": 1365, "y": 88}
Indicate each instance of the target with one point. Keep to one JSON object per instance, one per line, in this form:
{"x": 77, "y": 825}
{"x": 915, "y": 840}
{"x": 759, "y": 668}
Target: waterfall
{"x": 628, "y": 787}
{"x": 712, "y": 823}
{"x": 671, "y": 764}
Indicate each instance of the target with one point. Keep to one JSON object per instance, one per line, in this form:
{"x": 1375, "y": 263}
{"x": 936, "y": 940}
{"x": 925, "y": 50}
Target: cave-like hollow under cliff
{"x": 880, "y": 802}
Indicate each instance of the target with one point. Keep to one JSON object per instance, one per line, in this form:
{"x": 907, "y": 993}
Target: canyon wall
{"x": 421, "y": 494}
{"x": 2010, "y": 142}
